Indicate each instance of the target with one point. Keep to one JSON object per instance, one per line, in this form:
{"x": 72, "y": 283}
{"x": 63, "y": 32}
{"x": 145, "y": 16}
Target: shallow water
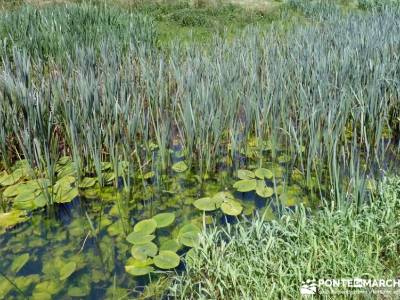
{"x": 91, "y": 232}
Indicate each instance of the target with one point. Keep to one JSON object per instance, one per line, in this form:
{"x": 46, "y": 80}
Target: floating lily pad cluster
{"x": 145, "y": 252}
{"x": 222, "y": 200}
{"x": 254, "y": 181}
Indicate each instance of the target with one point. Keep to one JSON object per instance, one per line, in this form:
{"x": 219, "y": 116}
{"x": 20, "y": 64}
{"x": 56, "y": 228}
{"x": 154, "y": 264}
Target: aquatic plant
{"x": 290, "y": 100}
{"x": 270, "y": 260}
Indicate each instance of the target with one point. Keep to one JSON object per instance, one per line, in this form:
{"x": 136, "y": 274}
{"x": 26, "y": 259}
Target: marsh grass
{"x": 269, "y": 260}
{"x": 322, "y": 95}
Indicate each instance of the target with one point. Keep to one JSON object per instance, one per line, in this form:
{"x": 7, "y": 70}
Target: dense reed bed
{"x": 326, "y": 96}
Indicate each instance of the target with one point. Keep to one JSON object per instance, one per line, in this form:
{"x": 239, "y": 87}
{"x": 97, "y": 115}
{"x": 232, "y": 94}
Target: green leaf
{"x": 263, "y": 190}
{"x": 189, "y": 235}
{"x": 180, "y": 167}
{"x": 206, "y": 204}
{"x": 67, "y": 270}
{"x": 231, "y": 208}
{"x": 167, "y": 260}
{"x": 138, "y": 238}
{"x": 263, "y": 173}
{"x": 146, "y": 226}
{"x": 138, "y": 271}
{"x": 64, "y": 195}
{"x": 170, "y": 245}
{"x": 164, "y": 219}
{"x": 19, "y": 262}
{"x": 245, "y": 174}
{"x": 12, "y": 218}
{"x": 87, "y": 183}
{"x": 10, "y": 179}
{"x": 141, "y": 252}
{"x": 245, "y": 185}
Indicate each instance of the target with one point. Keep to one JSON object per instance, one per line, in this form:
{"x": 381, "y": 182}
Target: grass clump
{"x": 55, "y": 31}
{"x": 260, "y": 260}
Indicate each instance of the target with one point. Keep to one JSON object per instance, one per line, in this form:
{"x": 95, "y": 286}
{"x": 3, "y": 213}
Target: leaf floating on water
{"x": 221, "y": 197}
{"x": 138, "y": 238}
{"x": 141, "y": 252}
{"x": 263, "y": 190}
{"x": 138, "y": 271}
{"x": 78, "y": 291}
{"x": 19, "y": 262}
{"x": 245, "y": 174}
{"x": 149, "y": 175}
{"x": 24, "y": 201}
{"x": 12, "y": 218}
{"x": 170, "y": 245}
{"x": 64, "y": 196}
{"x": 139, "y": 263}
{"x": 180, "y": 167}
{"x": 146, "y": 226}
{"x": 87, "y": 182}
{"x": 67, "y": 270}
{"x": 40, "y": 201}
{"x": 164, "y": 219}
{"x": 167, "y": 260}
{"x": 206, "y": 204}
{"x": 263, "y": 173}
{"x": 231, "y": 208}
{"x": 284, "y": 158}
{"x": 245, "y": 185}
{"x": 189, "y": 235}
{"x": 10, "y": 179}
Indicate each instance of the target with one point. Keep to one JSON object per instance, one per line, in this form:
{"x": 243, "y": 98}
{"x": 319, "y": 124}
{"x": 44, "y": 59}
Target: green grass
{"x": 270, "y": 260}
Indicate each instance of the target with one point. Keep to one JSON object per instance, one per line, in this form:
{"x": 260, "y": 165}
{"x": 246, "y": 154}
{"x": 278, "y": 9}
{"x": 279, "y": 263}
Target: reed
{"x": 326, "y": 96}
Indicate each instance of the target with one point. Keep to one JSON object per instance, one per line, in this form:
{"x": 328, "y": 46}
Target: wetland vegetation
{"x": 146, "y": 149}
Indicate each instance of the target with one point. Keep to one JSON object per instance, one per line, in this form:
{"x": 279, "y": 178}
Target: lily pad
{"x": 263, "y": 173}
{"x": 40, "y": 200}
{"x": 231, "y": 208}
{"x": 245, "y": 174}
{"x": 245, "y": 185}
{"x": 170, "y": 245}
{"x": 14, "y": 190}
{"x": 78, "y": 291}
{"x": 141, "y": 252}
{"x": 263, "y": 190}
{"x": 284, "y": 158}
{"x": 87, "y": 182}
{"x": 138, "y": 262}
{"x": 164, "y": 219}
{"x": 19, "y": 262}
{"x": 221, "y": 197}
{"x": 24, "y": 201}
{"x": 189, "y": 235}
{"x": 139, "y": 271}
{"x": 149, "y": 175}
{"x": 138, "y": 238}
{"x": 12, "y": 218}
{"x": 65, "y": 195}
{"x": 67, "y": 270}
{"x": 180, "y": 167}
{"x": 146, "y": 226}
{"x": 206, "y": 204}
{"x": 167, "y": 260}
{"x": 10, "y": 179}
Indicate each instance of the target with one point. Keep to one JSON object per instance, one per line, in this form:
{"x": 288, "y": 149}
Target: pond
{"x": 112, "y": 242}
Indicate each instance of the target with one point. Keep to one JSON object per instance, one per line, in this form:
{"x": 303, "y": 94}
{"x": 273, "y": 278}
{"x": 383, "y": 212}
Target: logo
{"x": 308, "y": 287}
{"x": 350, "y": 286}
